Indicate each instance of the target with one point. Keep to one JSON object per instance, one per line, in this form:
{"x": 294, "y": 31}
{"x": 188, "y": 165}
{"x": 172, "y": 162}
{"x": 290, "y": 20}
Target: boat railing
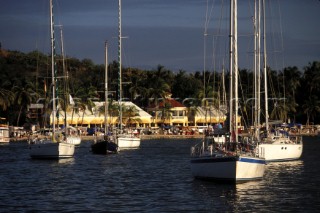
{"x": 195, "y": 150}
{"x": 128, "y": 135}
{"x": 296, "y": 139}
{"x": 39, "y": 140}
{"x": 204, "y": 151}
{"x": 199, "y": 150}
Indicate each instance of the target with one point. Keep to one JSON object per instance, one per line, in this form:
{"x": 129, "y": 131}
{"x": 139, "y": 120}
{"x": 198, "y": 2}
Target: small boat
{"x": 124, "y": 140}
{"x": 278, "y": 146}
{"x": 229, "y": 162}
{"x": 128, "y": 141}
{"x": 72, "y": 135}
{"x": 107, "y": 145}
{"x": 50, "y": 149}
{"x": 56, "y": 147}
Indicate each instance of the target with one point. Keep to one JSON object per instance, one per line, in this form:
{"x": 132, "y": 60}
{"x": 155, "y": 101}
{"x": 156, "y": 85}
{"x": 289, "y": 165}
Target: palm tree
{"x": 292, "y": 76}
{"x": 279, "y": 111}
{"x": 311, "y": 107}
{"x": 312, "y": 76}
{"x": 6, "y": 98}
{"x": 86, "y": 96}
{"x": 75, "y": 108}
{"x": 166, "y": 112}
{"x": 129, "y": 112}
{"x": 23, "y": 98}
{"x": 159, "y": 89}
{"x": 82, "y": 107}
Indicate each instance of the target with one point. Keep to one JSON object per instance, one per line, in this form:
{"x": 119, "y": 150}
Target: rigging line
{"x": 207, "y": 21}
{"x": 215, "y": 40}
{"x": 281, "y": 42}
{"x": 215, "y": 47}
{"x": 243, "y": 98}
{"x": 275, "y": 48}
{"x": 275, "y": 57}
{"x": 204, "y": 49}
{"x": 281, "y": 33}
{"x": 208, "y": 15}
{"x": 206, "y": 18}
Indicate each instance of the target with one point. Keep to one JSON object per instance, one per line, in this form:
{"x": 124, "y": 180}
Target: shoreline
{"x": 143, "y": 137}
{"x": 150, "y": 137}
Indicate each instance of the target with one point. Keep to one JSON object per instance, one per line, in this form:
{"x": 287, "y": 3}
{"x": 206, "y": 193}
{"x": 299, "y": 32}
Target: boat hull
{"x": 51, "y": 150}
{"x": 280, "y": 152}
{"x": 128, "y": 142}
{"x": 104, "y": 147}
{"x": 228, "y": 169}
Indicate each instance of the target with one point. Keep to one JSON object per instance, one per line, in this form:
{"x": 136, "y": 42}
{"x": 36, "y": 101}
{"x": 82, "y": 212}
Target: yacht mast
{"x": 231, "y": 55}
{"x": 106, "y": 90}
{"x": 53, "y": 70}
{"x": 235, "y": 69}
{"x": 257, "y": 51}
{"x": 65, "y": 74}
{"x": 120, "y": 71}
{"x": 265, "y": 67}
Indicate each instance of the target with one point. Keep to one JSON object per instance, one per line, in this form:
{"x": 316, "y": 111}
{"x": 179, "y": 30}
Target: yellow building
{"x": 94, "y": 117}
{"x": 169, "y": 112}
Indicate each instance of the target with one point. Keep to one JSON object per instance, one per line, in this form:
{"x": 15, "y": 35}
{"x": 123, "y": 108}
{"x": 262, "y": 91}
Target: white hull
{"x": 51, "y": 150}
{"x": 280, "y": 152}
{"x": 4, "y": 135}
{"x": 75, "y": 140}
{"x": 127, "y": 142}
{"x": 230, "y": 169}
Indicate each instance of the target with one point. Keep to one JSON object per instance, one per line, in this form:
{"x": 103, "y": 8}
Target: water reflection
{"x": 217, "y": 196}
{"x": 277, "y": 186}
{"x": 287, "y": 171}
{"x": 66, "y": 161}
{"x": 154, "y": 178}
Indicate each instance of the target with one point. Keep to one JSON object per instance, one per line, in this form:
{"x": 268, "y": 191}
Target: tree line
{"x": 25, "y": 78}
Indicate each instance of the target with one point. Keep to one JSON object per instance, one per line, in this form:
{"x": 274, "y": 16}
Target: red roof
{"x": 170, "y": 101}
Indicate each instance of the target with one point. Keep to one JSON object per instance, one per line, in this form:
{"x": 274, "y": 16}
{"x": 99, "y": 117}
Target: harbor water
{"x": 154, "y": 178}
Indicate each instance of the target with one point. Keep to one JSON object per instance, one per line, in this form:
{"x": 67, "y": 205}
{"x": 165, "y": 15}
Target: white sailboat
{"x": 70, "y": 132}
{"x": 277, "y": 145}
{"x": 56, "y": 147}
{"x": 124, "y": 140}
{"x": 231, "y": 162}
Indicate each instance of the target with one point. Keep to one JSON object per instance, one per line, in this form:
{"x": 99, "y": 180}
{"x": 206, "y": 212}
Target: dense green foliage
{"x": 25, "y": 78}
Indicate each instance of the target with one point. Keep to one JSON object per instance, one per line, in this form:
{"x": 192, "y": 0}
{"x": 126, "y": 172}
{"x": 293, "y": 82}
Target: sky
{"x": 163, "y": 32}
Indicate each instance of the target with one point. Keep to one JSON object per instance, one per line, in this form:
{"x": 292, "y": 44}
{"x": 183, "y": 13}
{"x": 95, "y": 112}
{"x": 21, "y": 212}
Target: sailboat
{"x": 276, "y": 144}
{"x": 124, "y": 140}
{"x": 70, "y": 132}
{"x": 107, "y": 145}
{"x": 56, "y": 147}
{"x": 235, "y": 161}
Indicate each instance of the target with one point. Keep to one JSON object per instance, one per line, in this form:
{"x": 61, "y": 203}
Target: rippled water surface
{"x": 154, "y": 178}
